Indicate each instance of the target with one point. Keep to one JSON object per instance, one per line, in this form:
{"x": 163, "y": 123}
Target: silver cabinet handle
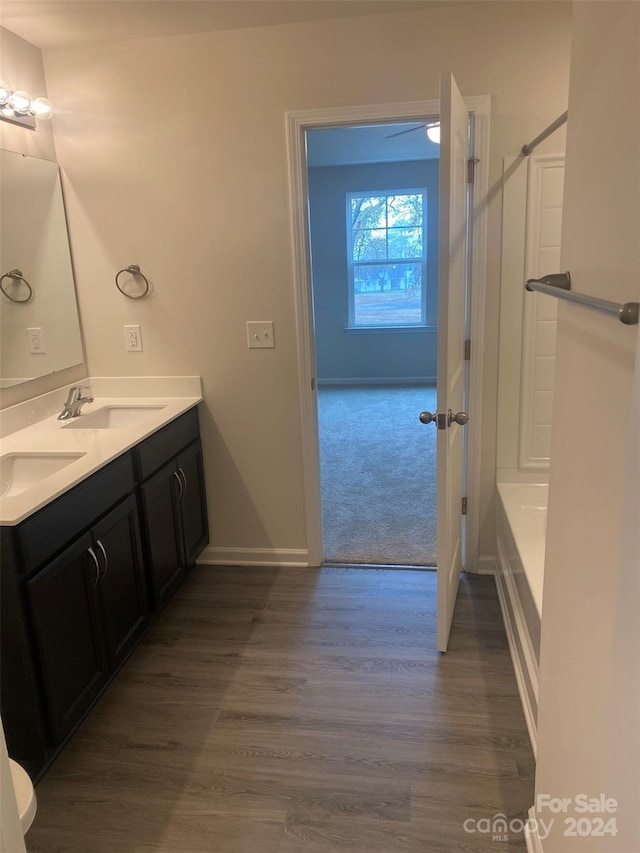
{"x": 181, "y": 493}
{"x": 184, "y": 478}
{"x": 95, "y": 560}
{"x": 104, "y": 554}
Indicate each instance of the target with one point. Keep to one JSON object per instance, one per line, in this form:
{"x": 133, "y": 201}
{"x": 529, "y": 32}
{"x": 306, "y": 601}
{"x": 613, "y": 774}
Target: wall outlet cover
{"x": 132, "y": 339}
{"x": 36, "y": 341}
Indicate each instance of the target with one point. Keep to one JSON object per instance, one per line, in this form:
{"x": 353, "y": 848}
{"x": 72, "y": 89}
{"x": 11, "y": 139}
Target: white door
{"x": 452, "y": 254}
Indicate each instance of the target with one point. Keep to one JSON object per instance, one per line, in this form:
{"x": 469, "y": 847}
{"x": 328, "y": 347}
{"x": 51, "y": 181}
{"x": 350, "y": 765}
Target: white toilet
{"x": 25, "y": 795}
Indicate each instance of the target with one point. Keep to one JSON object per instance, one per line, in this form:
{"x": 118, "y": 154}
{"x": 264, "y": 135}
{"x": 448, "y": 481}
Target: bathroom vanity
{"x": 86, "y": 572}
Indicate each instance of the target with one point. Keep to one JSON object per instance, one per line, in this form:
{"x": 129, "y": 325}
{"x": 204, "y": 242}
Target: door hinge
{"x": 464, "y": 506}
{"x": 467, "y": 350}
{"x": 471, "y": 169}
{"x": 313, "y": 383}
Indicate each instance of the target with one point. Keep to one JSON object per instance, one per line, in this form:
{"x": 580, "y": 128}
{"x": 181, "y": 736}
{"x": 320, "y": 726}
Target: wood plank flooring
{"x": 299, "y": 711}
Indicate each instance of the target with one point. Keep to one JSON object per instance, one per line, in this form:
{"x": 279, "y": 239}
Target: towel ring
{"x": 16, "y": 276}
{"x": 133, "y": 269}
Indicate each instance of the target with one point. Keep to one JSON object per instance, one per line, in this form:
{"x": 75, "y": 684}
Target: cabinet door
{"x": 122, "y": 586}
{"x": 193, "y": 504}
{"x": 65, "y": 613}
{"x": 19, "y": 693}
{"x": 162, "y": 533}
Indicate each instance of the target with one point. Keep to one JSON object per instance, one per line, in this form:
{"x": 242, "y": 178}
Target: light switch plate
{"x": 260, "y": 334}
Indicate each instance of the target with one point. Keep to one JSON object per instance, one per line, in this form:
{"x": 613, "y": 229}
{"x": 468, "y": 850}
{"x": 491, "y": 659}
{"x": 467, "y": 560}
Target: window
{"x": 387, "y": 258}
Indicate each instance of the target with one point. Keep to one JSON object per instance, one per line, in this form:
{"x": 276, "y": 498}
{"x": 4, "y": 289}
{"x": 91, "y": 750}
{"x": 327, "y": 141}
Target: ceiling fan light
{"x": 433, "y": 132}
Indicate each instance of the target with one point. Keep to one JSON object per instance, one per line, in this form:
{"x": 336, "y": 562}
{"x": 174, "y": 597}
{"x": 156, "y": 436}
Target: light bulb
{"x": 5, "y": 94}
{"x": 433, "y": 132}
{"x": 21, "y": 102}
{"x": 42, "y": 108}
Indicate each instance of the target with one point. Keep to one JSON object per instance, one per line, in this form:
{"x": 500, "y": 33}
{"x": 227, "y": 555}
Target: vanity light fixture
{"x": 19, "y": 107}
{"x": 433, "y": 132}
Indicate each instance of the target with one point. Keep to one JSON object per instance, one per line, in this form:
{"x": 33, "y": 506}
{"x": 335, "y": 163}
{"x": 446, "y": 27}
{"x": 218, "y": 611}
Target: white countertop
{"x": 99, "y": 446}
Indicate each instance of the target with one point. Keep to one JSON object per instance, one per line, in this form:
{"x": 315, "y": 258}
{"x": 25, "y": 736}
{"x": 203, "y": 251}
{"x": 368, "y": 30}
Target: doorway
{"x": 373, "y": 216}
{"x": 378, "y": 473}
{"x": 298, "y": 123}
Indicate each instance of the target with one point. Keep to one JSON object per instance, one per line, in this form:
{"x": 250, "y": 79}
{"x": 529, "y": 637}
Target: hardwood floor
{"x": 299, "y": 711}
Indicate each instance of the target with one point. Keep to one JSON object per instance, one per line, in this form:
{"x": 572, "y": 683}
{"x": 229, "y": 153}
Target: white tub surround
{"x": 521, "y": 533}
{"x": 33, "y": 428}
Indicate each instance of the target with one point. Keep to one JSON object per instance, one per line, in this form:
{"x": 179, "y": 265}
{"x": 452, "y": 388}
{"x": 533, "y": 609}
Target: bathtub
{"x": 521, "y": 533}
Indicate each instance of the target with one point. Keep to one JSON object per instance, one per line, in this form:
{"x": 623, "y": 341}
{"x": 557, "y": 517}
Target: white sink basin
{"x": 112, "y": 417}
{"x": 21, "y": 471}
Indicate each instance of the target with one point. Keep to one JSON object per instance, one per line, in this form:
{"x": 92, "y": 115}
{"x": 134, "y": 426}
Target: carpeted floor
{"x": 378, "y": 470}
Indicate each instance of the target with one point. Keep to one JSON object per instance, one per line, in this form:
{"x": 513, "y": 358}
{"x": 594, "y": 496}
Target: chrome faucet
{"x": 75, "y": 402}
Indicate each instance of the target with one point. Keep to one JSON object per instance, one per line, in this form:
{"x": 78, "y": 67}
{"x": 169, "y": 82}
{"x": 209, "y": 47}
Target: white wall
{"x": 175, "y": 153}
{"x": 21, "y": 67}
{"x": 588, "y": 732}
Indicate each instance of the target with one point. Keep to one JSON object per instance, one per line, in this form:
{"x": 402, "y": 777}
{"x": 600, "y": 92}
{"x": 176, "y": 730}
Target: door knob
{"x": 461, "y": 418}
{"x": 434, "y": 418}
{"x": 442, "y": 422}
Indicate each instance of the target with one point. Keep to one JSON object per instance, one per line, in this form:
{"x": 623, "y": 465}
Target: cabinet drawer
{"x": 49, "y": 530}
{"x": 153, "y": 453}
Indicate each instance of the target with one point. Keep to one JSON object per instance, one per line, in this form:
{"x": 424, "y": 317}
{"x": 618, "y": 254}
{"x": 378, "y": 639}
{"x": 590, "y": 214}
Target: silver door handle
{"x": 104, "y": 554}
{"x": 95, "y": 560}
{"x": 461, "y": 418}
{"x": 444, "y": 421}
{"x": 434, "y": 418}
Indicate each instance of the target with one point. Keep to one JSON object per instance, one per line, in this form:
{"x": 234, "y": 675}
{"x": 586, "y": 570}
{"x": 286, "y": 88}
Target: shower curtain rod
{"x": 527, "y": 149}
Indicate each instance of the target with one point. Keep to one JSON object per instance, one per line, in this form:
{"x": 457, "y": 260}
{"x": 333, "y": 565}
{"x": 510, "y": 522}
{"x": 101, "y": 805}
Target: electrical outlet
{"x": 260, "y": 334}
{"x": 132, "y": 339}
{"x": 36, "y": 341}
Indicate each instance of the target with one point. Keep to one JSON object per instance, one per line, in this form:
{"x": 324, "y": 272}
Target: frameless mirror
{"x": 40, "y": 327}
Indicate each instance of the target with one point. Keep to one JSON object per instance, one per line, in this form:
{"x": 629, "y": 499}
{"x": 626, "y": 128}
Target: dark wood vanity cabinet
{"x": 122, "y": 587}
{"x": 162, "y": 527}
{"x": 100, "y": 612}
{"x": 174, "y": 508}
{"x": 83, "y": 577}
{"x": 193, "y": 504}
{"x": 65, "y": 612}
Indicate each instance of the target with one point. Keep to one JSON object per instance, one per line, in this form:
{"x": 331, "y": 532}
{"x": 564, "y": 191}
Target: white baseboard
{"x": 486, "y": 565}
{"x": 531, "y": 835}
{"x": 276, "y": 557}
{"x": 394, "y": 380}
